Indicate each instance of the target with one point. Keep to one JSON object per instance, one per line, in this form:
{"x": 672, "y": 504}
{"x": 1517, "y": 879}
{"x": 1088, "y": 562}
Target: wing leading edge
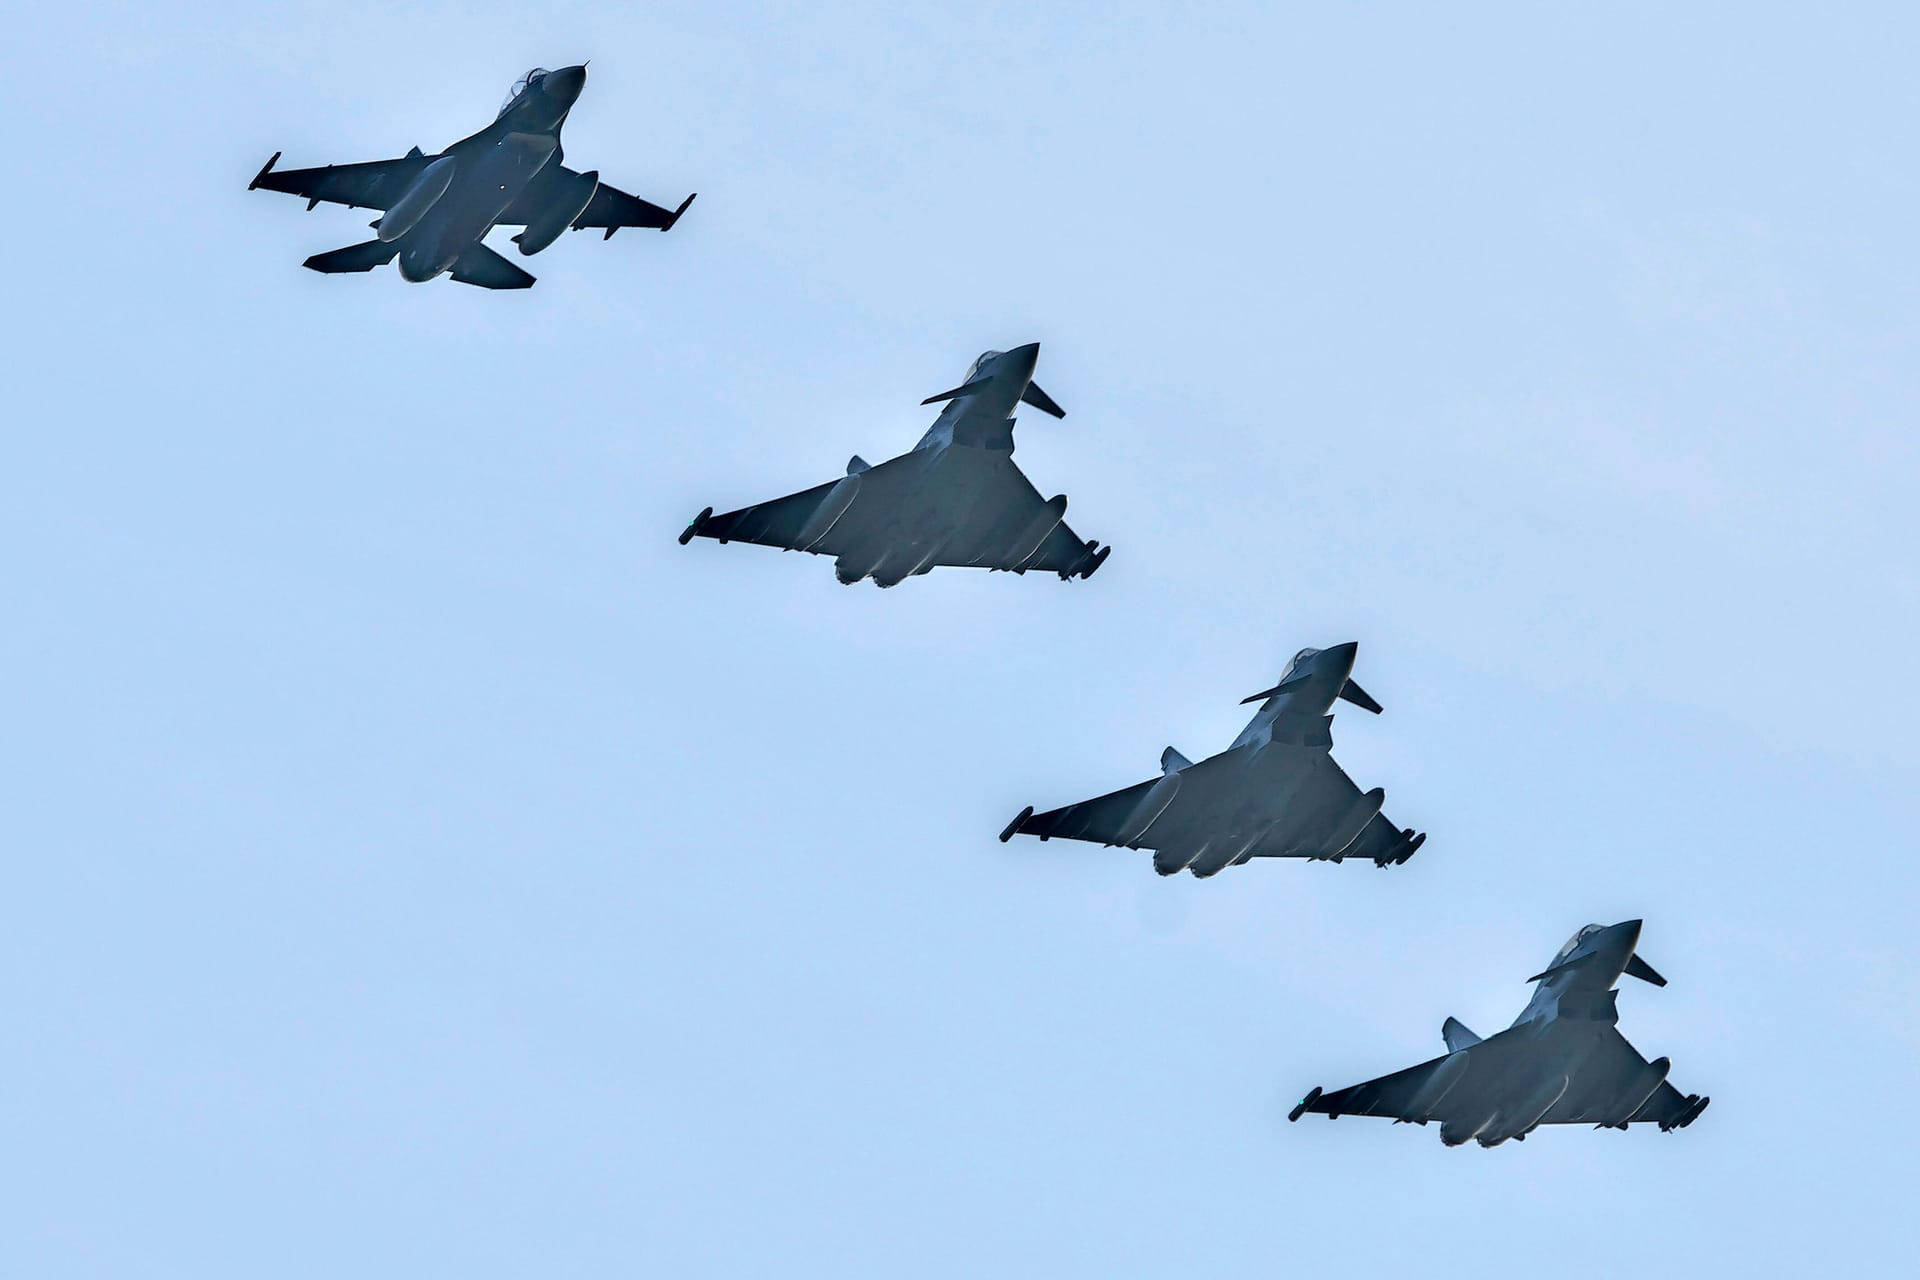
{"x": 1284, "y": 802}
{"x": 611, "y": 209}
{"x": 601, "y": 206}
{"x": 1610, "y": 1086}
{"x": 375, "y": 184}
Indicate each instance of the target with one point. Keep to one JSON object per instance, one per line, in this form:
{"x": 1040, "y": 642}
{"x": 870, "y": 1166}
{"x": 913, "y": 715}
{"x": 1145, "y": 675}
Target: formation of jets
{"x": 956, "y": 499}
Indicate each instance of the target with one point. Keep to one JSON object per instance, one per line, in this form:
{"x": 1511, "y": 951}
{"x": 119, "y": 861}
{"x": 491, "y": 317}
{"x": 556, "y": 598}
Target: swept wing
{"x": 376, "y": 184}
{"x": 1286, "y": 801}
{"x": 974, "y": 519}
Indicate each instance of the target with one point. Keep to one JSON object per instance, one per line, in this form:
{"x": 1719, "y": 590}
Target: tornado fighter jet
{"x": 1275, "y": 793}
{"x": 1561, "y": 1062}
{"x": 436, "y": 210}
{"x": 956, "y": 499}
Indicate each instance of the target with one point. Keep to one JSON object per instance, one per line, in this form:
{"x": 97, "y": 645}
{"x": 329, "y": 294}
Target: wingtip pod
{"x": 265, "y": 169}
{"x": 1013, "y": 828}
{"x": 1688, "y": 1114}
{"x": 688, "y": 534}
{"x": 1410, "y": 842}
{"x": 1313, "y": 1096}
{"x": 1091, "y": 558}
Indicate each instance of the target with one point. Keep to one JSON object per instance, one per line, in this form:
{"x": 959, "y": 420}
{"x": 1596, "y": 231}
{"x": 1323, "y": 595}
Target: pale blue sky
{"x": 420, "y": 865}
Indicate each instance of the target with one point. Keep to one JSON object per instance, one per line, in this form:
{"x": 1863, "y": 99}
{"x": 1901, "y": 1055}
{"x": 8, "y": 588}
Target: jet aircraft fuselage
{"x": 980, "y": 413}
{"x": 488, "y": 172}
{"x": 1295, "y": 709}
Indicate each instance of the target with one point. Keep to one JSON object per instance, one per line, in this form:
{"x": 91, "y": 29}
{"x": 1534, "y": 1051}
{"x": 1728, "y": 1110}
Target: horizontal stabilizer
{"x": 1455, "y": 1033}
{"x": 481, "y": 266}
{"x": 1172, "y": 761}
{"x": 1280, "y": 688}
{"x": 1359, "y": 697}
{"x": 964, "y": 389}
{"x": 355, "y": 257}
{"x": 1640, "y": 969}
{"x": 1040, "y": 400}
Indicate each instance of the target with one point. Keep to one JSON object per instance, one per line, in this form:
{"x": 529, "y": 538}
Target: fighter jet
{"x": 436, "y": 210}
{"x": 1275, "y": 793}
{"x": 1561, "y": 1062}
{"x": 957, "y": 499}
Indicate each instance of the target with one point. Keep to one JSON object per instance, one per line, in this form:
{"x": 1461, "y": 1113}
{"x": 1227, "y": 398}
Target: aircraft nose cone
{"x": 1341, "y": 656}
{"x": 565, "y": 84}
{"x": 1022, "y": 360}
{"x": 1627, "y": 934}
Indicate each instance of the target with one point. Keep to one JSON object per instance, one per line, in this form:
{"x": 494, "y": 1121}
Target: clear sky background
{"x": 417, "y": 864}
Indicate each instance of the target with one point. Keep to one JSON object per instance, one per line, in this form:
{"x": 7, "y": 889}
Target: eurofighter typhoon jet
{"x": 436, "y": 210}
{"x": 957, "y": 499}
{"x": 1561, "y": 1062}
{"x": 1275, "y": 793}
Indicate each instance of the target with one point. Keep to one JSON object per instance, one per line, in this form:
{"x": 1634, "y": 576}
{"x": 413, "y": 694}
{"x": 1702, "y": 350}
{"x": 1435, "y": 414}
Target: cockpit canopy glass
{"x": 974, "y": 368}
{"x": 1297, "y": 659}
{"x": 1576, "y": 940}
{"x": 520, "y": 86}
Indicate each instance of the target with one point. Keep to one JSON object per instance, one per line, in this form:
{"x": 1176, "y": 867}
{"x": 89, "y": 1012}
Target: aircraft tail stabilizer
{"x": 481, "y": 266}
{"x": 355, "y": 257}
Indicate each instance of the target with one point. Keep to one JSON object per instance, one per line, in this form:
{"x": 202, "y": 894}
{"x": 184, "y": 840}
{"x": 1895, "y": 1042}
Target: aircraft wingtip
{"x": 265, "y": 169}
